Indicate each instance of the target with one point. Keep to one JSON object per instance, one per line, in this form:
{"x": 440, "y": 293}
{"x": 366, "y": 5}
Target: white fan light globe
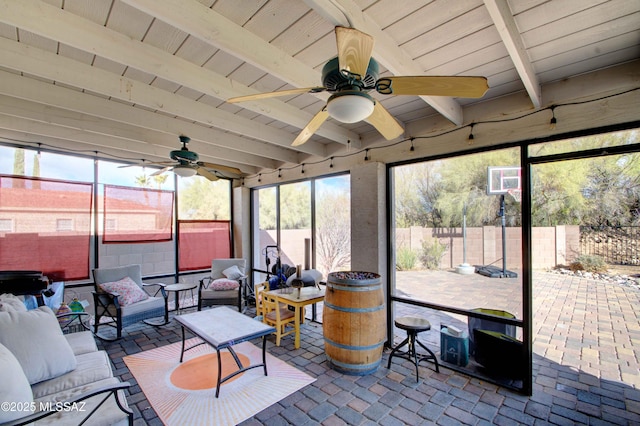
{"x": 350, "y": 108}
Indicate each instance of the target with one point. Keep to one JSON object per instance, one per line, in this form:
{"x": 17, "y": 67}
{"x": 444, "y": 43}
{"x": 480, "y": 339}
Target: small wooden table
{"x": 307, "y": 296}
{"x": 222, "y": 328}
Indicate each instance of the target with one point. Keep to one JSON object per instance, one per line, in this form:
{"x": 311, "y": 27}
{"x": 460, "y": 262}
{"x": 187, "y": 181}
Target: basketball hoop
{"x": 516, "y": 194}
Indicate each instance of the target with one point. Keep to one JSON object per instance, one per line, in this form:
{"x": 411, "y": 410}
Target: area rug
{"x": 184, "y": 393}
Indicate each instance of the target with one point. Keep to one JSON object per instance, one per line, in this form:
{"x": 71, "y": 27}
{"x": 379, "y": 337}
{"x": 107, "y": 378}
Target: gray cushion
{"x": 35, "y": 338}
{"x": 15, "y": 387}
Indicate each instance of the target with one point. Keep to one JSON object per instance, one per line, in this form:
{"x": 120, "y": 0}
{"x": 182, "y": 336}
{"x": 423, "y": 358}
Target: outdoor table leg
{"x": 219, "y": 373}
{"x": 264, "y": 354}
{"x": 183, "y": 339}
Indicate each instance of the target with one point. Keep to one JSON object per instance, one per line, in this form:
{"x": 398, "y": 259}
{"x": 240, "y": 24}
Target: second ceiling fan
{"x": 354, "y": 73}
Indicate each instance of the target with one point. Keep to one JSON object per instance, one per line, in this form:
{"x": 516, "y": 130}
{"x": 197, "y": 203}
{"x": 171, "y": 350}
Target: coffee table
{"x": 222, "y": 328}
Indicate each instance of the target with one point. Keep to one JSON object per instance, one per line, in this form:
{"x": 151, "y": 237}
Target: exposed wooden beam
{"x": 54, "y": 23}
{"x": 111, "y": 133}
{"x": 386, "y": 51}
{"x": 34, "y": 61}
{"x": 164, "y": 127}
{"x": 508, "y": 30}
{"x": 205, "y": 24}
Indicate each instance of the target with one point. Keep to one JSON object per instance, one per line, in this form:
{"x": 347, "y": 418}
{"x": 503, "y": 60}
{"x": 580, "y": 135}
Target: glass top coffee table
{"x": 222, "y": 328}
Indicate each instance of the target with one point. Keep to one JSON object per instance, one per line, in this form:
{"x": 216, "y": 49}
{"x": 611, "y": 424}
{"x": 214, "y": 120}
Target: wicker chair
{"x": 109, "y": 305}
{"x": 207, "y": 296}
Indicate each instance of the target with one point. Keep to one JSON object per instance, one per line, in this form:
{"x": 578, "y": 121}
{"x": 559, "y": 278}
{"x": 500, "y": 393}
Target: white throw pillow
{"x": 35, "y": 339}
{"x": 232, "y": 272}
{"x": 9, "y": 302}
{"x": 15, "y": 387}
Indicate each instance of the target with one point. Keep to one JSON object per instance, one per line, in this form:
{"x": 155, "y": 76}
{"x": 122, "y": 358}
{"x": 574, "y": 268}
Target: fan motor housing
{"x": 184, "y": 154}
{"x": 333, "y": 79}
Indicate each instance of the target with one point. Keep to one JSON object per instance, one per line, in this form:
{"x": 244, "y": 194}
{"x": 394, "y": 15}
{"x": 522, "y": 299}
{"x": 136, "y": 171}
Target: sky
{"x": 68, "y": 167}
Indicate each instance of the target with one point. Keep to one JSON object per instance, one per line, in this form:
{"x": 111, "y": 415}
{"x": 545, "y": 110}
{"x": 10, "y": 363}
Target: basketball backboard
{"x": 501, "y": 180}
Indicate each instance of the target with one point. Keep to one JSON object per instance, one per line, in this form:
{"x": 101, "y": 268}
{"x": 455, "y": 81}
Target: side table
{"x": 177, "y": 288}
{"x": 73, "y": 322}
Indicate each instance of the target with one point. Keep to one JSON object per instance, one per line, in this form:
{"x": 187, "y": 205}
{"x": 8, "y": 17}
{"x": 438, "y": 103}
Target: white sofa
{"x": 49, "y": 378}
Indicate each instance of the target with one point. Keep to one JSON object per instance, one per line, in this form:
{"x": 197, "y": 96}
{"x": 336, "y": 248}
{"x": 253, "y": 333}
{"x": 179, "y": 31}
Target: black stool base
{"x": 411, "y": 354}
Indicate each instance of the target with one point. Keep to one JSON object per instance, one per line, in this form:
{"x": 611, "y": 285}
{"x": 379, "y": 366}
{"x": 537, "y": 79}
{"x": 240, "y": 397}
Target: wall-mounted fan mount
{"x": 354, "y": 73}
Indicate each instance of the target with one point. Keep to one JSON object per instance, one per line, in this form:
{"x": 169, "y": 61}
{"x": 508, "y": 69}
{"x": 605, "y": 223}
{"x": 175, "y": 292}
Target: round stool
{"x": 413, "y": 326}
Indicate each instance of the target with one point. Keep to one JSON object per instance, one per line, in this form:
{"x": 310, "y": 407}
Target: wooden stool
{"x": 413, "y": 326}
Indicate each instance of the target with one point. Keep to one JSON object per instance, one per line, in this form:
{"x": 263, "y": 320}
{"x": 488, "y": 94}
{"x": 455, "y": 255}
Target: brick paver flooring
{"x": 586, "y": 363}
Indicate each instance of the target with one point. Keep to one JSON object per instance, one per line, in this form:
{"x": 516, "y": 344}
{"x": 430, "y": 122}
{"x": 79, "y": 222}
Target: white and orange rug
{"x": 184, "y": 394}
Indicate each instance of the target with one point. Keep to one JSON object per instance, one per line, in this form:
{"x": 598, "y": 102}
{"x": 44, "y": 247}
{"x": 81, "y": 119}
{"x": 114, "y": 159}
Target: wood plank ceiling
{"x": 124, "y": 78}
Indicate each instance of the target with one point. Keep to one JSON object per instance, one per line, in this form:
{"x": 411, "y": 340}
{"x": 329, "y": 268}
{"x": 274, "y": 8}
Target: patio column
{"x": 241, "y": 222}
{"x": 368, "y": 218}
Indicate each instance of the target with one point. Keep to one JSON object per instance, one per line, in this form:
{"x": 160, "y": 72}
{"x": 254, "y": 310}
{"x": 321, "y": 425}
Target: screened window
{"x": 145, "y": 215}
{"x": 333, "y": 224}
{"x": 39, "y": 210}
{"x": 289, "y": 218}
{"x": 445, "y": 215}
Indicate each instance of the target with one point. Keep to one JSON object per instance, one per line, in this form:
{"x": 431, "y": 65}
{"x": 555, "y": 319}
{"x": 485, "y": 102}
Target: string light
{"x": 279, "y": 173}
{"x": 331, "y": 163}
{"x": 302, "y": 168}
{"x": 412, "y": 147}
{"x": 259, "y": 177}
{"x": 366, "y": 154}
{"x": 471, "y": 137}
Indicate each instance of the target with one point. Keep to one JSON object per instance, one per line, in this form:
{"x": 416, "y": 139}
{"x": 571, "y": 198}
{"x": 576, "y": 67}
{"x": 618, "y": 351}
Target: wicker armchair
{"x": 109, "y": 304}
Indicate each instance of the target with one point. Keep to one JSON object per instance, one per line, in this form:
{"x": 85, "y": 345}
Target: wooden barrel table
{"x": 354, "y": 320}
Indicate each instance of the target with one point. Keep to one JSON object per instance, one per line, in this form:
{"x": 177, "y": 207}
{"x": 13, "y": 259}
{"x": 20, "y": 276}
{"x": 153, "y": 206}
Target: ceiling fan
{"x": 185, "y": 164}
{"x": 354, "y": 72}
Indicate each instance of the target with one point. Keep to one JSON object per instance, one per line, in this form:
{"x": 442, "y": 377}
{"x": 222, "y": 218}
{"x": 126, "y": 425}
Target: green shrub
{"x": 432, "y": 252}
{"x": 406, "y": 259}
{"x": 589, "y": 263}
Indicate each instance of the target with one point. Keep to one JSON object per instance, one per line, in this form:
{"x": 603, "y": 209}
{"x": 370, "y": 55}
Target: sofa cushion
{"x": 91, "y": 367}
{"x": 35, "y": 338}
{"x": 15, "y": 387}
{"x": 107, "y": 414}
{"x": 129, "y": 291}
{"x": 9, "y": 302}
{"x": 82, "y": 342}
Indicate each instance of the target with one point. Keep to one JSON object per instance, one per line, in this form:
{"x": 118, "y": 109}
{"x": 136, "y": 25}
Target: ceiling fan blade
{"x": 267, "y": 95}
{"x": 161, "y": 171}
{"x": 455, "y": 86}
{"x": 220, "y": 167}
{"x": 206, "y": 174}
{"x": 354, "y": 50}
{"x": 384, "y": 122}
{"x": 311, "y": 128}
{"x": 148, "y": 163}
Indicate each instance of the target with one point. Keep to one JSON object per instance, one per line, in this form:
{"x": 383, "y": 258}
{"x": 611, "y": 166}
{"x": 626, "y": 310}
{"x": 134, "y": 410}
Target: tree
{"x": 295, "y": 206}
{"x": 143, "y": 181}
{"x": 18, "y": 162}
{"x": 333, "y": 232}
{"x": 202, "y": 199}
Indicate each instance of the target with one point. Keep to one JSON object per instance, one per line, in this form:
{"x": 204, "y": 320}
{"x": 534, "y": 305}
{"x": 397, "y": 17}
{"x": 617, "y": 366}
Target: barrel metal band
{"x": 354, "y": 348}
{"x": 352, "y": 310}
{"x": 335, "y": 286}
{"x": 346, "y": 366}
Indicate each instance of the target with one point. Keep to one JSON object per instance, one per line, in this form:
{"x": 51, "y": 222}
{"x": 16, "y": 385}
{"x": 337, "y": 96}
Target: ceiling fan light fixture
{"x": 350, "y": 106}
{"x": 184, "y": 171}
